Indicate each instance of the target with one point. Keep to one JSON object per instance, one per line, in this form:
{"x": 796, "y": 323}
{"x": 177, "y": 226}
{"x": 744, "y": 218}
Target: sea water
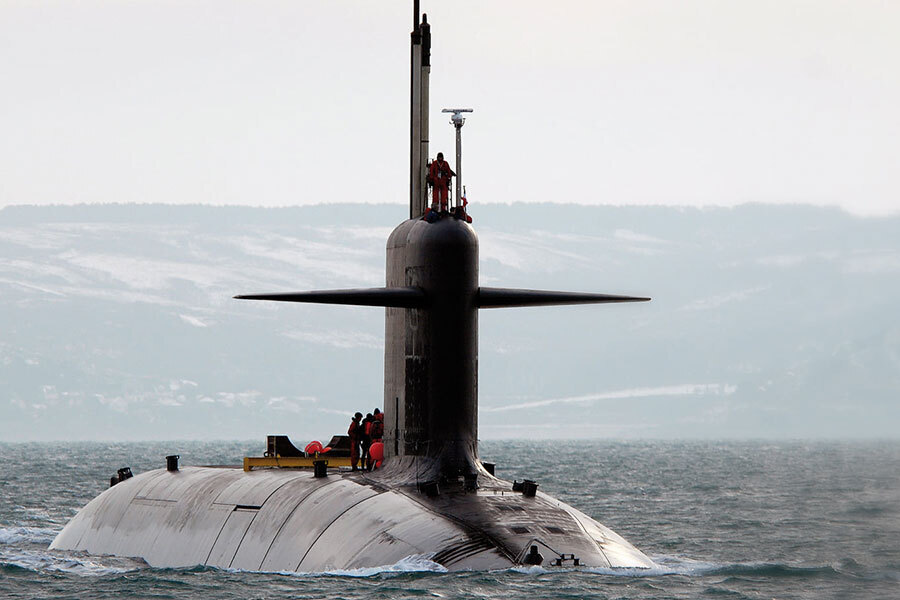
{"x": 720, "y": 519}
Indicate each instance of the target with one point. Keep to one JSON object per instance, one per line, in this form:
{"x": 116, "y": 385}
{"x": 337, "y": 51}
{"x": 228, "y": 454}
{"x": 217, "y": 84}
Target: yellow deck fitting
{"x": 293, "y": 462}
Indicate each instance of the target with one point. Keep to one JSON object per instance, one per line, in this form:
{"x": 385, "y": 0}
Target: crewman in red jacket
{"x": 354, "y": 432}
{"x": 439, "y": 174}
{"x": 376, "y": 433}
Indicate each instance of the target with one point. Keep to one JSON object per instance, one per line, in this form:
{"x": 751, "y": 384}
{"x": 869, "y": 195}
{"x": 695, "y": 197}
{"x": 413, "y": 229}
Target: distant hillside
{"x": 117, "y": 322}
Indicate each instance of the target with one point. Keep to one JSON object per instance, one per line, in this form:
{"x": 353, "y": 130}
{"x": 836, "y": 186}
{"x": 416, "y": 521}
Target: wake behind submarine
{"x": 433, "y": 498}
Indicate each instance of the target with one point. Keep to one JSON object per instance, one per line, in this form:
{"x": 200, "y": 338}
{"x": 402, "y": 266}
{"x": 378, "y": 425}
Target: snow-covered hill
{"x": 117, "y": 322}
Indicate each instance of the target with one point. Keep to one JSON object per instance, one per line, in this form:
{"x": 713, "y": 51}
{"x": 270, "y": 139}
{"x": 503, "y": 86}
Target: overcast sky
{"x": 294, "y": 102}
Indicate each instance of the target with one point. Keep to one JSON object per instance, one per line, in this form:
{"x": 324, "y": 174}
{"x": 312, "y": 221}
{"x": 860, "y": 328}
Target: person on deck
{"x": 365, "y": 440}
{"x": 354, "y": 432}
{"x": 376, "y": 433}
{"x": 439, "y": 174}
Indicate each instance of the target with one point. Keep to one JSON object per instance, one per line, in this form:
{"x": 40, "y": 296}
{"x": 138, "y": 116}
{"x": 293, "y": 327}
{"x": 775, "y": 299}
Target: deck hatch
{"x": 555, "y": 530}
{"x": 510, "y": 508}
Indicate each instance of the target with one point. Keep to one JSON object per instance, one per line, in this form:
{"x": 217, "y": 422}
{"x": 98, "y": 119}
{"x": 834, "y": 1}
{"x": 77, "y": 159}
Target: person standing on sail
{"x": 439, "y": 174}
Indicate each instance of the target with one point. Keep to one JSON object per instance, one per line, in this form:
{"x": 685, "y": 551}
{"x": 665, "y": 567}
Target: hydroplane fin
{"x": 406, "y": 297}
{"x": 412, "y": 297}
{"x": 506, "y": 297}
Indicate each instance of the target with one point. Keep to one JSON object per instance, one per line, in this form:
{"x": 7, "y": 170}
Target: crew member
{"x": 377, "y": 431}
{"x": 365, "y": 440}
{"x": 439, "y": 174}
{"x": 354, "y": 432}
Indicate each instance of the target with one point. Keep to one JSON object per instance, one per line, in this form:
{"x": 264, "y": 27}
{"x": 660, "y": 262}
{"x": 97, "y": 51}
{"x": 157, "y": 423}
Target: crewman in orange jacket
{"x": 439, "y": 174}
{"x": 355, "y": 432}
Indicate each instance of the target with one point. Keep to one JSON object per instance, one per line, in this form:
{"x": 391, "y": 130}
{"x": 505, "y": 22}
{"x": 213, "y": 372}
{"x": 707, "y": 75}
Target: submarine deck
{"x": 289, "y": 520}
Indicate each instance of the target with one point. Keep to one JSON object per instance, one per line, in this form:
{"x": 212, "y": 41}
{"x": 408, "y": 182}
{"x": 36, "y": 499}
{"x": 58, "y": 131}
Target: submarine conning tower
{"x": 432, "y": 298}
{"x": 431, "y": 352}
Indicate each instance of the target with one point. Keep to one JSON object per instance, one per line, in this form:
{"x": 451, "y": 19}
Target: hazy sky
{"x": 294, "y": 102}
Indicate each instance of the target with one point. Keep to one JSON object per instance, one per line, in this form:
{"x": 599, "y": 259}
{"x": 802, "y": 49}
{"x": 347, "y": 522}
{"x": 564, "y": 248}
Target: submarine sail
{"x": 433, "y": 497}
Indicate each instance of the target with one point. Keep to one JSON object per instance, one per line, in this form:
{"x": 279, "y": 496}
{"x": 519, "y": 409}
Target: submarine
{"x": 432, "y": 497}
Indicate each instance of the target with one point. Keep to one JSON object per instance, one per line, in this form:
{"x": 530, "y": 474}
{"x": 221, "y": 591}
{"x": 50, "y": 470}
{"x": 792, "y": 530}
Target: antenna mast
{"x": 457, "y": 120}
{"x": 420, "y": 71}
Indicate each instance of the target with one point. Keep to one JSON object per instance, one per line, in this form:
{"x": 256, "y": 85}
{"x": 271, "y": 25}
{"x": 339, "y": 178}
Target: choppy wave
{"x": 668, "y": 565}
{"x": 419, "y": 563}
{"x": 33, "y": 535}
{"x": 774, "y": 570}
{"x": 39, "y": 560}
{"x": 665, "y": 565}
{"x": 47, "y": 561}
{"x": 25, "y": 548}
{"x": 17, "y": 555}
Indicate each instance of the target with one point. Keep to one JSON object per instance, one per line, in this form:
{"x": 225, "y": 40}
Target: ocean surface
{"x": 720, "y": 519}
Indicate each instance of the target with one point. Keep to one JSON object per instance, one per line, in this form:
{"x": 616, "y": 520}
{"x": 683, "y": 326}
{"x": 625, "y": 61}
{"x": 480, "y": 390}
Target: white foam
{"x": 416, "y": 563}
{"x": 664, "y": 565}
{"x": 533, "y": 570}
{"x": 33, "y": 535}
{"x": 44, "y": 561}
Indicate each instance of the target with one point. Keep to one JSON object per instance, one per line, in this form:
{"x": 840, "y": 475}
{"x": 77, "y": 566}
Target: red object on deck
{"x": 376, "y": 451}
{"x": 313, "y": 447}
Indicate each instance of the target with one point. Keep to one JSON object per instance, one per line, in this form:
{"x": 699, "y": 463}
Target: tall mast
{"x": 420, "y": 70}
{"x": 457, "y": 120}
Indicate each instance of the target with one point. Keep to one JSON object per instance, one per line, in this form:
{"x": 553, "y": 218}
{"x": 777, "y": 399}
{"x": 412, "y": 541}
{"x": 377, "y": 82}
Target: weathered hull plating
{"x": 288, "y": 520}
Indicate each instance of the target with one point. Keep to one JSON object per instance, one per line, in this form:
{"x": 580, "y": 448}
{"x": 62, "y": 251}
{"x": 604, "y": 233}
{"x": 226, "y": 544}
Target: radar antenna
{"x": 457, "y": 120}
